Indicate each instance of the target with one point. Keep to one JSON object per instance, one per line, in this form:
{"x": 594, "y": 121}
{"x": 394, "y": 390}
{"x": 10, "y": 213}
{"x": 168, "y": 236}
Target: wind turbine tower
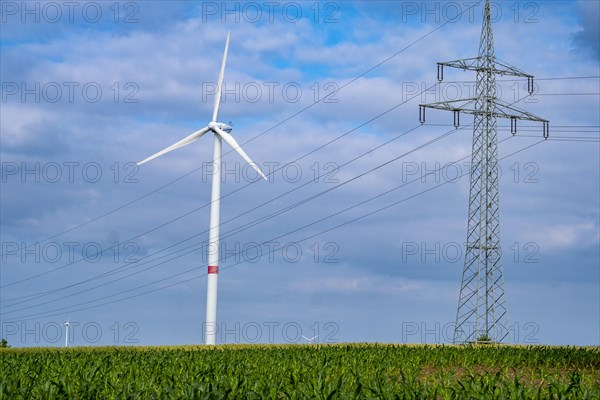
{"x": 482, "y": 313}
{"x": 310, "y": 340}
{"x": 66, "y": 324}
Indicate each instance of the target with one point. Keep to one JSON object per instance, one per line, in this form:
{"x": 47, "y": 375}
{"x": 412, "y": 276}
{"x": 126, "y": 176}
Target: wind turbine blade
{"x": 183, "y": 142}
{"x": 220, "y": 84}
{"x": 232, "y": 142}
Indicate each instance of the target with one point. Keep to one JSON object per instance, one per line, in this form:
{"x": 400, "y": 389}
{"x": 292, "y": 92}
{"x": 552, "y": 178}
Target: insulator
{"x": 513, "y": 125}
{"x": 546, "y": 130}
{"x": 440, "y": 72}
{"x": 456, "y": 118}
{"x": 530, "y": 84}
{"x": 421, "y": 115}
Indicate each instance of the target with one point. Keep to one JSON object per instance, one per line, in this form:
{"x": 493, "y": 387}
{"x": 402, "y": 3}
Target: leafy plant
{"x": 344, "y": 371}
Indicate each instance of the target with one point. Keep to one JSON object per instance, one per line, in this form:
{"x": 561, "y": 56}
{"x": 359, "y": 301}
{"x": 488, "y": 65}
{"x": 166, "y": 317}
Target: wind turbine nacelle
{"x": 225, "y": 127}
{"x": 221, "y": 125}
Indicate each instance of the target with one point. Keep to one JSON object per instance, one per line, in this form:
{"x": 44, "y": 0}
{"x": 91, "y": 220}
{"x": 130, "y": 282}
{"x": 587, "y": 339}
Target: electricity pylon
{"x": 482, "y": 313}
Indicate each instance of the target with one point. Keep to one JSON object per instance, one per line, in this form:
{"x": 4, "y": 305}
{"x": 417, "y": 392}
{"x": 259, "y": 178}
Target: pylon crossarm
{"x": 474, "y": 64}
{"x": 503, "y": 113}
{"x": 453, "y": 105}
{"x": 450, "y": 105}
{"x": 508, "y": 69}
{"x": 506, "y": 110}
{"x": 468, "y": 106}
{"x": 465, "y": 63}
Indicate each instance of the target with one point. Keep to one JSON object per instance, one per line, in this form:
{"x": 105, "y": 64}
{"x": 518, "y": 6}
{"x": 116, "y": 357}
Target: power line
{"x": 237, "y": 230}
{"x": 567, "y": 94}
{"x": 64, "y": 309}
{"x": 557, "y": 78}
{"x": 260, "y": 220}
{"x": 566, "y": 138}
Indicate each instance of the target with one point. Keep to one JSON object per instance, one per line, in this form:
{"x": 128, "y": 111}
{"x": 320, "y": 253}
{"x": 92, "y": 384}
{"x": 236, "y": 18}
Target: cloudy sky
{"x": 359, "y": 233}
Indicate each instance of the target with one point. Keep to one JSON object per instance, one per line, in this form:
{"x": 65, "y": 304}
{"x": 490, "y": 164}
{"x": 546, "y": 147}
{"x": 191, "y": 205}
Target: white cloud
{"x": 567, "y": 236}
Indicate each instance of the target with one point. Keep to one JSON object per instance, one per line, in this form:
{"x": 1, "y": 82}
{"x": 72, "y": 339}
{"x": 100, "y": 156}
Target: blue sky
{"x": 91, "y": 88}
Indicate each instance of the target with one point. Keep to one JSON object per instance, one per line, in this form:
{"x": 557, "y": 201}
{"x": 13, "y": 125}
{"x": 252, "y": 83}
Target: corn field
{"x": 342, "y": 371}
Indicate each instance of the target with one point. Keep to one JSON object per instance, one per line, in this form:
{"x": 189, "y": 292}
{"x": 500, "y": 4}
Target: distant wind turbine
{"x": 221, "y": 132}
{"x": 66, "y": 324}
{"x": 310, "y": 340}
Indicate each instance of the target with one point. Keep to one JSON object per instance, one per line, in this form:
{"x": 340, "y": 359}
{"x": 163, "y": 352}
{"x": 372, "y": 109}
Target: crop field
{"x": 341, "y": 371}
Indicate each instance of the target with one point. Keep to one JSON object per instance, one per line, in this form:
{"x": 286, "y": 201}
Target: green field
{"x": 342, "y": 371}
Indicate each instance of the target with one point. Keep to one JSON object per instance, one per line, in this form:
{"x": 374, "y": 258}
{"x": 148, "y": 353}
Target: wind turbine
{"x": 310, "y": 340}
{"x": 221, "y": 132}
{"x": 66, "y": 324}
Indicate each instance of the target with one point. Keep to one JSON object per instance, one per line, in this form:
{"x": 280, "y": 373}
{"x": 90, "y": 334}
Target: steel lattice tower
{"x": 482, "y": 313}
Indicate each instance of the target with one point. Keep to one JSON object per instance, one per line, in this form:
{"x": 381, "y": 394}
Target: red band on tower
{"x": 213, "y": 269}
